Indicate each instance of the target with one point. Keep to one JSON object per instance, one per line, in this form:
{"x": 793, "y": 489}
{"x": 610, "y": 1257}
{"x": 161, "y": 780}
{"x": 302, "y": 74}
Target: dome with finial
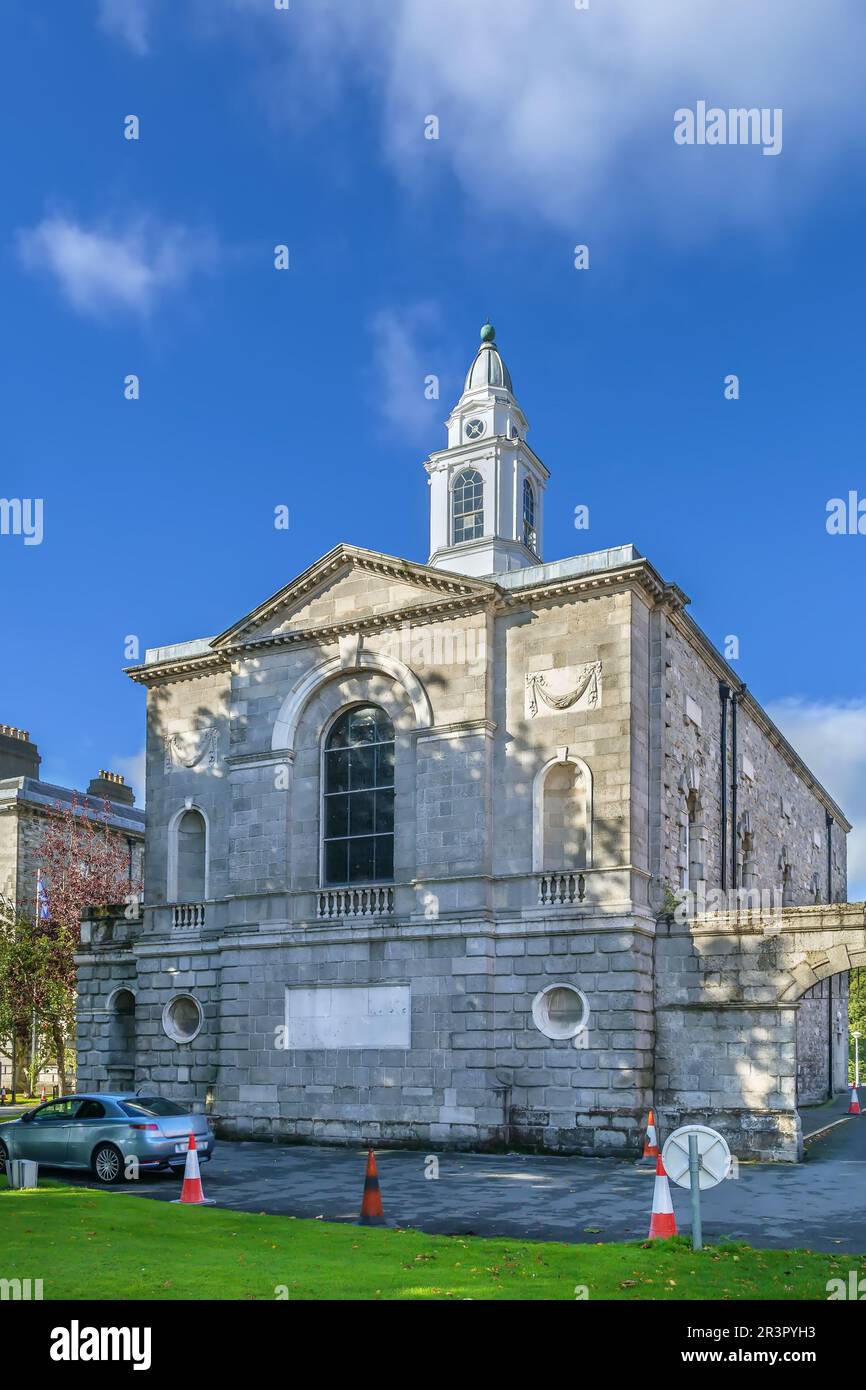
{"x": 488, "y": 369}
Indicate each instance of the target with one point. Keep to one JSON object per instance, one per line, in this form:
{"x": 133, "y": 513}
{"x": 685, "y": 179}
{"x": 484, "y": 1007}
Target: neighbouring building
{"x": 25, "y": 803}
{"x": 455, "y": 853}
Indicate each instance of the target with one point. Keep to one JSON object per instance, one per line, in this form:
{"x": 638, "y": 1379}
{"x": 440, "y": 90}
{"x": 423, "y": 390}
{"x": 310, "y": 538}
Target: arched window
{"x": 467, "y": 507}
{"x": 358, "y": 799}
{"x": 530, "y": 535}
{"x": 191, "y": 848}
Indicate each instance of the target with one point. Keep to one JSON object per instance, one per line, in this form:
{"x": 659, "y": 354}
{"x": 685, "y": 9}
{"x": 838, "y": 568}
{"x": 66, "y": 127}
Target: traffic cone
{"x": 854, "y": 1107}
{"x": 663, "y": 1223}
{"x": 191, "y": 1192}
{"x": 371, "y": 1203}
{"x": 651, "y": 1142}
{"x": 42, "y": 1094}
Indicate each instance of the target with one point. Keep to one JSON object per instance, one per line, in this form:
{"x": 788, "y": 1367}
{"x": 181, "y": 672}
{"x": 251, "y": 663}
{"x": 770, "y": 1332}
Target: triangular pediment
{"x": 349, "y": 585}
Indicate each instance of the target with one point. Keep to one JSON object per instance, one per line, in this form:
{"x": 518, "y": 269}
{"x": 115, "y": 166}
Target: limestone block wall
{"x": 591, "y": 1099}
{"x": 551, "y": 636}
{"x": 470, "y": 1070}
{"x": 8, "y": 853}
{"x": 783, "y": 810}
{"x": 822, "y": 1040}
{"x": 477, "y": 1071}
{"x": 188, "y": 710}
{"x": 728, "y": 995}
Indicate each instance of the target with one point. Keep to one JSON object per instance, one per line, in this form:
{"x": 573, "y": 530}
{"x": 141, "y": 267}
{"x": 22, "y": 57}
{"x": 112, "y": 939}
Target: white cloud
{"x": 133, "y": 770}
{"x": 106, "y": 268}
{"x": 831, "y": 740}
{"x": 128, "y": 20}
{"x": 567, "y": 115}
{"x": 401, "y": 364}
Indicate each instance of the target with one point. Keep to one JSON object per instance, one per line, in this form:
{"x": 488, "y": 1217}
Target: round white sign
{"x": 714, "y": 1156}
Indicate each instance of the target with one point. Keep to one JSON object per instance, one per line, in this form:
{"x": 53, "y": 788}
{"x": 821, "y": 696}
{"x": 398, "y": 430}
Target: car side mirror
{"x": 25, "y": 1119}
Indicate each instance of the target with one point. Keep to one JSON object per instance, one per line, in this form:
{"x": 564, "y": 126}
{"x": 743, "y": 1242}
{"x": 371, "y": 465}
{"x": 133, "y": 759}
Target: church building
{"x": 485, "y": 852}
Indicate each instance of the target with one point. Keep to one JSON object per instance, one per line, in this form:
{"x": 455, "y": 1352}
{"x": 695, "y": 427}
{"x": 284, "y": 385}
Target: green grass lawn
{"x": 104, "y": 1245}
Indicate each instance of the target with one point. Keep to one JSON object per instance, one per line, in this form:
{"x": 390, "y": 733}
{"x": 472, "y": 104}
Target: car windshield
{"x": 151, "y": 1105}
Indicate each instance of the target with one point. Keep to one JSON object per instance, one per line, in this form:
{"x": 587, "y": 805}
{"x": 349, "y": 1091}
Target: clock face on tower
{"x": 474, "y": 429}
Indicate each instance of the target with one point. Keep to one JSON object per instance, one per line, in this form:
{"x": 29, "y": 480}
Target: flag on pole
{"x": 42, "y": 908}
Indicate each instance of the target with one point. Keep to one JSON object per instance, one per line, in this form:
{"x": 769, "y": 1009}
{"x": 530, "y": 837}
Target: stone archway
{"x": 727, "y": 992}
{"x": 353, "y": 659}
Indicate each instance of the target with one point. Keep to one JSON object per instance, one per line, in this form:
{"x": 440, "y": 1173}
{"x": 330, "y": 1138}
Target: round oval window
{"x": 182, "y": 1018}
{"x": 560, "y": 1011}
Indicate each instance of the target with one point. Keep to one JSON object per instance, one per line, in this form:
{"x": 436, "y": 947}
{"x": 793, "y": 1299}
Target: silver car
{"x": 103, "y": 1132}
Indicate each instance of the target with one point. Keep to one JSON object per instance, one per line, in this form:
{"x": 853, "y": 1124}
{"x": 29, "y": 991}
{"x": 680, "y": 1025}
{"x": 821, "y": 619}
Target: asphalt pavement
{"x": 818, "y": 1205}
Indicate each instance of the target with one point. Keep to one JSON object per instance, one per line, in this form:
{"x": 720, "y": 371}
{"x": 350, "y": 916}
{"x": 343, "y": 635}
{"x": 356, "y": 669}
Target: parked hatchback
{"x": 102, "y": 1132}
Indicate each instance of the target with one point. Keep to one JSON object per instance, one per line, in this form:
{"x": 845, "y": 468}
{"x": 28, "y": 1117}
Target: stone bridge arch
{"x": 820, "y": 941}
{"x": 728, "y": 988}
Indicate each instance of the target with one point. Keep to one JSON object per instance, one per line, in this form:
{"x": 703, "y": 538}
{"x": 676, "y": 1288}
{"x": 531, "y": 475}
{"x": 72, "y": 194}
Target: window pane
{"x": 336, "y": 771}
{"x": 564, "y": 1008}
{"x": 339, "y": 735}
{"x": 336, "y": 861}
{"x": 152, "y": 1105}
{"x": 336, "y": 816}
{"x": 385, "y": 765}
{"x": 361, "y": 860}
{"x": 384, "y": 856}
{"x": 361, "y": 813}
{"x": 384, "y": 811}
{"x": 362, "y": 765}
{"x": 362, "y": 726}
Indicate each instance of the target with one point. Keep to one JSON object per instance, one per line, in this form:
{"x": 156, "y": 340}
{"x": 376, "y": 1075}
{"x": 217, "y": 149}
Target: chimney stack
{"x": 110, "y": 786}
{"x": 18, "y": 756}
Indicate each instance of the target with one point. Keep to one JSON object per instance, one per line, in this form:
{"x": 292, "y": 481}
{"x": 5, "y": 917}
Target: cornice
{"x": 638, "y": 574}
{"x": 229, "y": 656}
{"x": 372, "y": 562}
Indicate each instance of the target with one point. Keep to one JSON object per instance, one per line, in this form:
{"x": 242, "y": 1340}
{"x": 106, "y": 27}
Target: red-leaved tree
{"x": 83, "y": 863}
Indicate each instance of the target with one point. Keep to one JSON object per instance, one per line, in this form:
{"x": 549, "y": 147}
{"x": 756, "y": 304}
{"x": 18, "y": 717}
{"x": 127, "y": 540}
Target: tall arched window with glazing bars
{"x": 530, "y": 535}
{"x": 467, "y": 506}
{"x": 358, "y": 798}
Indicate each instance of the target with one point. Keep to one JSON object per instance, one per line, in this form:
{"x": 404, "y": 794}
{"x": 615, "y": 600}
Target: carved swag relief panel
{"x": 566, "y": 687}
{"x": 194, "y": 748}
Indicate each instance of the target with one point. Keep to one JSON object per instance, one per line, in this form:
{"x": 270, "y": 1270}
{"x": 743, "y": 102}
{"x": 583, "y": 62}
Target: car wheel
{"x": 108, "y": 1164}
{"x": 4, "y": 1153}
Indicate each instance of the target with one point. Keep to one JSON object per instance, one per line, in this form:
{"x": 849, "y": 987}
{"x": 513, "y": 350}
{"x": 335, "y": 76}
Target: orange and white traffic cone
{"x": 663, "y": 1223}
{"x": 854, "y": 1107}
{"x": 651, "y": 1142}
{"x": 191, "y": 1192}
{"x": 371, "y": 1203}
{"x": 42, "y": 1093}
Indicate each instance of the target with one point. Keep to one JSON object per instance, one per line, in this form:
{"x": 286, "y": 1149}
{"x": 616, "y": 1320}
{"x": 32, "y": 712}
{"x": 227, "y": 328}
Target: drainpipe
{"x": 724, "y": 694}
{"x": 734, "y": 875}
{"x": 829, "y": 824}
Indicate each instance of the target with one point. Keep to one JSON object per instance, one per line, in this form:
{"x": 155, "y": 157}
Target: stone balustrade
{"x": 355, "y": 902}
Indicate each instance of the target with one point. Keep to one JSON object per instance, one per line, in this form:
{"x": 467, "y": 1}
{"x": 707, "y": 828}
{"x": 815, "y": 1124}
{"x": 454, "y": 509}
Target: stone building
{"x": 415, "y": 836}
{"x": 25, "y": 803}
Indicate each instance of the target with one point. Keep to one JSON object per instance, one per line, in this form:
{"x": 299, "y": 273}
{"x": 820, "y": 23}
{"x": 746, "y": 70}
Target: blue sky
{"x": 306, "y": 387}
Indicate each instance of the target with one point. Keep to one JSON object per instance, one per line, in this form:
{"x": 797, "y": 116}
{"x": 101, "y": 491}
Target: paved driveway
{"x": 819, "y": 1205}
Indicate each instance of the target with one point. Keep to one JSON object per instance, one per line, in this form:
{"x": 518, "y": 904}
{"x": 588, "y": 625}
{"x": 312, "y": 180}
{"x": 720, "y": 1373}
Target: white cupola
{"x": 486, "y": 486}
